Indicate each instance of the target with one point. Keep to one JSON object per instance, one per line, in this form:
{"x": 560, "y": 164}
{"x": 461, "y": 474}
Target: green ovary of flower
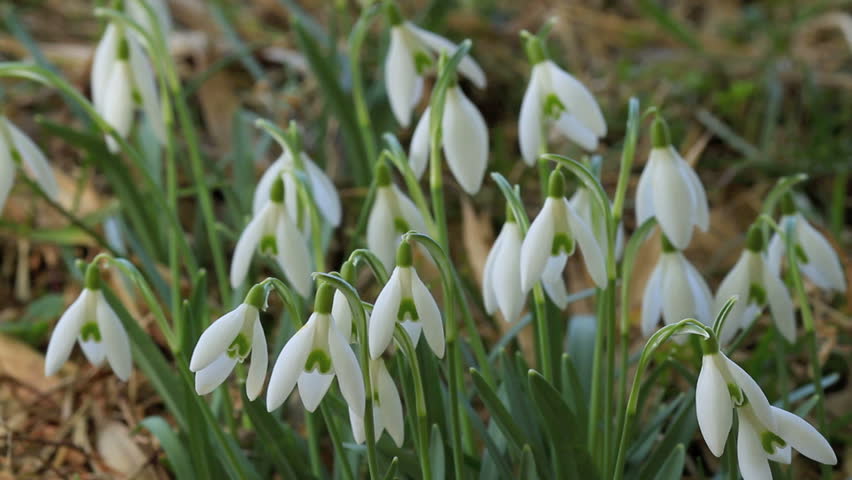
{"x": 90, "y": 332}
{"x": 422, "y": 62}
{"x": 239, "y": 348}
{"x": 407, "y": 311}
{"x": 400, "y": 225}
{"x": 268, "y": 245}
{"x": 562, "y": 242}
{"x": 771, "y": 442}
{"x": 553, "y": 107}
{"x": 319, "y": 360}
{"x": 756, "y": 294}
{"x": 737, "y": 395}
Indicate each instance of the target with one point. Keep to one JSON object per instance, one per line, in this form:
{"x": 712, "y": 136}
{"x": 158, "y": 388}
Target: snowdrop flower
{"x": 816, "y": 257}
{"x": 229, "y": 340}
{"x": 340, "y": 310}
{"x": 554, "y": 97}
{"x": 392, "y": 215}
{"x": 405, "y": 299}
{"x": 387, "y": 407}
{"x": 551, "y": 240}
{"x": 121, "y": 74}
{"x": 757, "y": 442}
{"x": 754, "y": 282}
{"x": 465, "y": 140}
{"x": 676, "y": 291}
{"x": 723, "y": 385}
{"x": 584, "y": 203}
{"x": 274, "y": 233}
{"x": 322, "y": 190}
{"x": 91, "y": 322}
{"x": 16, "y": 148}
{"x": 670, "y": 190}
{"x": 137, "y": 11}
{"x": 411, "y": 54}
{"x": 501, "y": 279}
{"x": 312, "y": 358}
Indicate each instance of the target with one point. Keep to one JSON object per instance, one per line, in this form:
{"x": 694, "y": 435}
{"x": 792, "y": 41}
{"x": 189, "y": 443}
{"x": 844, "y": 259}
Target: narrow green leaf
{"x": 528, "y": 470}
{"x": 581, "y": 344}
{"x": 392, "y": 469}
{"x": 436, "y": 454}
{"x": 498, "y": 411}
{"x": 668, "y": 23}
{"x": 282, "y": 444}
{"x": 178, "y": 457}
{"x": 672, "y": 468}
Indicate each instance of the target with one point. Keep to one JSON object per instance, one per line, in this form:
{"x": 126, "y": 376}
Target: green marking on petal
{"x": 562, "y": 242}
{"x": 422, "y": 62}
{"x": 268, "y": 245}
{"x": 553, "y": 107}
{"x": 16, "y": 156}
{"x": 771, "y": 442}
{"x": 239, "y": 348}
{"x": 319, "y": 360}
{"x": 400, "y": 225}
{"x": 756, "y": 294}
{"x": 737, "y": 395}
{"x": 90, "y": 332}
{"x": 137, "y": 97}
{"x": 407, "y": 311}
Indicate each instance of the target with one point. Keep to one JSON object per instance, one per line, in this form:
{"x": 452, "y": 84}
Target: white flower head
{"x": 757, "y": 286}
{"x": 137, "y": 11}
{"x": 121, "y": 74}
{"x": 551, "y": 240}
{"x": 274, "y": 233}
{"x": 412, "y": 53}
{"x": 16, "y": 148}
{"x": 723, "y": 385}
{"x": 229, "y": 340}
{"x": 91, "y": 322}
{"x": 584, "y": 203}
{"x": 465, "y": 141}
{"x": 501, "y": 279}
{"x": 387, "y": 407}
{"x": 555, "y": 98}
{"x": 759, "y": 442}
{"x": 405, "y": 299}
{"x": 322, "y": 189}
{"x": 816, "y": 257}
{"x": 392, "y": 215}
{"x": 676, "y": 291}
{"x": 670, "y": 190}
{"x": 312, "y": 358}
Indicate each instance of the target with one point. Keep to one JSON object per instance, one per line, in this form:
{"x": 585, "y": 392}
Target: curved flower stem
{"x": 422, "y": 423}
{"x": 362, "y": 113}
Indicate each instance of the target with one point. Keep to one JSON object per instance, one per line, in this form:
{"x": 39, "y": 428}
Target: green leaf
{"x": 392, "y": 469}
{"x": 573, "y": 393}
{"x": 680, "y": 430}
{"x": 528, "y": 470}
{"x": 498, "y": 412}
{"x": 581, "y": 346}
{"x": 672, "y": 468}
{"x": 282, "y": 444}
{"x": 436, "y": 454}
{"x": 178, "y": 457}
{"x": 668, "y": 23}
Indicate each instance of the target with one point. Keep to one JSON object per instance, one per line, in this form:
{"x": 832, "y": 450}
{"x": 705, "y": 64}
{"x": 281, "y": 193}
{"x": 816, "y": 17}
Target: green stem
{"x": 362, "y": 113}
{"x": 609, "y": 321}
{"x": 337, "y": 441}
{"x": 422, "y": 424}
{"x": 543, "y": 331}
{"x": 595, "y": 394}
{"x": 313, "y": 444}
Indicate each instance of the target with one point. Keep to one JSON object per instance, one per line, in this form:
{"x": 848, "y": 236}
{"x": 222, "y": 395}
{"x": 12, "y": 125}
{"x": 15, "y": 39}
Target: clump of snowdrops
{"x": 393, "y": 325}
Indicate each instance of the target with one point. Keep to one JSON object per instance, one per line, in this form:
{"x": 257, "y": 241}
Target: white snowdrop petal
{"x": 413, "y": 330}
{"x": 102, "y": 63}
{"x": 537, "y": 245}
{"x": 465, "y": 138}
{"x": 357, "y": 424}
{"x": 418, "y": 151}
{"x": 735, "y": 283}
{"x": 553, "y": 281}
{"x": 672, "y": 205}
{"x": 780, "y": 304}
{"x": 775, "y": 253}
{"x": 118, "y": 102}
{"x": 247, "y": 244}
{"x": 259, "y": 361}
{"x": 161, "y": 11}
{"x": 577, "y": 99}
{"x": 214, "y": 374}
{"x": 115, "y": 341}
{"x": 652, "y": 301}
{"x": 506, "y": 274}
{"x": 382, "y": 237}
{"x": 530, "y": 121}
{"x": 803, "y": 437}
{"x": 294, "y": 257}
{"x": 342, "y": 315}
{"x": 701, "y": 294}
{"x": 823, "y": 267}
{"x": 713, "y": 406}
{"x": 7, "y": 172}
{"x": 489, "y": 282}
{"x": 400, "y": 76}
{"x": 577, "y": 132}
{"x": 467, "y": 67}
{"x": 217, "y": 338}
{"x": 757, "y": 400}
{"x": 348, "y": 371}
{"x": 702, "y": 211}
{"x": 324, "y": 193}
{"x": 391, "y": 406}
{"x": 146, "y": 85}
{"x": 592, "y": 255}
{"x": 750, "y": 455}
{"x": 34, "y": 161}
{"x": 264, "y": 185}
{"x": 678, "y": 300}
{"x": 383, "y": 318}
{"x": 430, "y": 315}
{"x": 645, "y": 191}
{"x": 93, "y": 351}
{"x": 313, "y": 387}
{"x": 289, "y": 365}
{"x": 410, "y": 213}
{"x": 65, "y": 333}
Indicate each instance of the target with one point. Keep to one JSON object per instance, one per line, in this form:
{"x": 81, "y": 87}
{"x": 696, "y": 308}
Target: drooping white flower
{"x": 137, "y": 11}
{"x": 392, "y": 215}
{"x": 312, "y": 358}
{"x": 592, "y": 213}
{"x": 387, "y": 407}
{"x": 91, "y": 322}
{"x": 229, "y": 340}
{"x": 413, "y": 51}
{"x": 501, "y": 279}
{"x": 753, "y": 281}
{"x": 121, "y": 74}
{"x": 555, "y": 98}
{"x": 322, "y": 189}
{"x": 816, "y": 257}
{"x": 465, "y": 141}
{"x": 405, "y": 299}
{"x": 17, "y": 148}
{"x": 758, "y": 442}
{"x": 670, "y": 190}
{"x": 676, "y": 291}
{"x": 275, "y": 234}
{"x": 552, "y": 238}
{"x": 723, "y": 385}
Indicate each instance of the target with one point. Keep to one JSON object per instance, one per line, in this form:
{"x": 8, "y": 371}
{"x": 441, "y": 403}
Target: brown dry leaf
{"x": 478, "y": 237}
{"x": 23, "y": 363}
{"x": 121, "y": 453}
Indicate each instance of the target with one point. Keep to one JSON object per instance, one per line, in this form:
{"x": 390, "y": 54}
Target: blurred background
{"x": 753, "y": 90}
